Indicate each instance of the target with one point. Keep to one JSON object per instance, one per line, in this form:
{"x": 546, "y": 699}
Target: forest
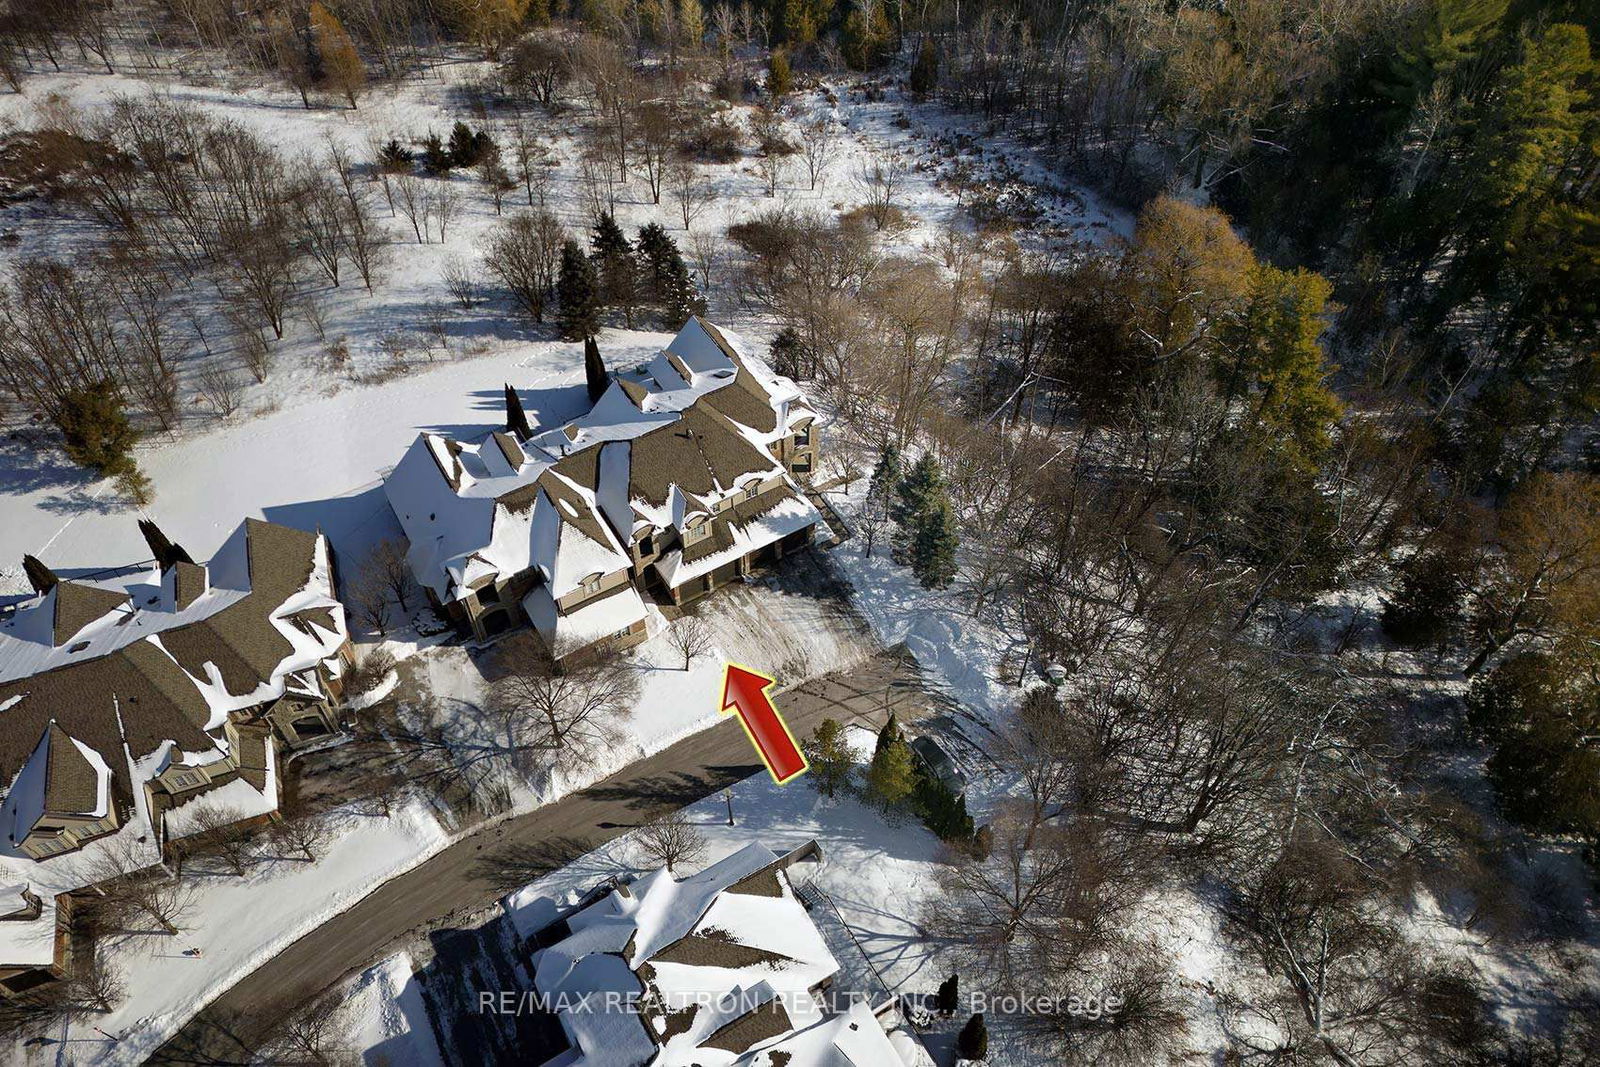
{"x": 1290, "y": 487}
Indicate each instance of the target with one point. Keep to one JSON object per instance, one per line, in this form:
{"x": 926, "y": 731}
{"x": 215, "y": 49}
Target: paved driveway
{"x": 484, "y": 865}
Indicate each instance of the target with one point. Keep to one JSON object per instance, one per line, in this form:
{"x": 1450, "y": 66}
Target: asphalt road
{"x": 484, "y": 865}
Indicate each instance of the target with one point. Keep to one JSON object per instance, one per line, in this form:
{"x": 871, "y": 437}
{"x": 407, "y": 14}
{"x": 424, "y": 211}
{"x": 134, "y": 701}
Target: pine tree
{"x": 943, "y": 810}
{"x": 933, "y": 545}
{"x": 94, "y": 423}
{"x": 41, "y": 577}
{"x": 886, "y": 475}
{"x": 394, "y": 157}
{"x": 681, "y": 299}
{"x": 436, "y": 159}
{"x": 830, "y": 757}
{"x": 914, "y": 494}
{"x": 654, "y": 247}
{"x": 618, "y": 268}
{"x": 973, "y": 1041}
{"x": 892, "y": 776}
{"x": 889, "y": 734}
{"x": 467, "y": 147}
{"x": 779, "y": 78}
{"x": 949, "y": 996}
{"x": 787, "y": 353}
{"x": 577, "y": 291}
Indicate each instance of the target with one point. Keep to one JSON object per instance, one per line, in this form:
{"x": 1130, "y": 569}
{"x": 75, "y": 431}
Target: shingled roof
{"x": 147, "y": 691}
{"x": 77, "y": 605}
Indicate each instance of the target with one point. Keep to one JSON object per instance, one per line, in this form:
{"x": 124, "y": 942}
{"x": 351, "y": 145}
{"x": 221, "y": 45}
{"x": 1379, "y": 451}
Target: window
{"x": 489, "y": 594}
{"x": 591, "y": 584}
{"x": 802, "y": 436}
{"x": 647, "y": 544}
{"x": 185, "y": 780}
{"x": 753, "y": 491}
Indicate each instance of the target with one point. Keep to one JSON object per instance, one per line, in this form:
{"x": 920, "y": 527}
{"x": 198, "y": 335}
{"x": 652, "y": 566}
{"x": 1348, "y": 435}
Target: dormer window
{"x": 489, "y": 594}
{"x": 591, "y": 584}
{"x": 802, "y": 436}
{"x": 752, "y": 491}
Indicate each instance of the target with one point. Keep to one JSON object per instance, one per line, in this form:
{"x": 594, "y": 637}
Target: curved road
{"x": 487, "y": 863}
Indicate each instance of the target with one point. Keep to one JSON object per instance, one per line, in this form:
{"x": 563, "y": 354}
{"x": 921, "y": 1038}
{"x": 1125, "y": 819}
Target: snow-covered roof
{"x": 589, "y": 622}
{"x": 663, "y": 443}
{"x": 713, "y": 969}
{"x": 156, "y": 684}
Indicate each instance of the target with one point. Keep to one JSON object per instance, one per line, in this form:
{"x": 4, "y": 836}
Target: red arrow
{"x": 745, "y": 691}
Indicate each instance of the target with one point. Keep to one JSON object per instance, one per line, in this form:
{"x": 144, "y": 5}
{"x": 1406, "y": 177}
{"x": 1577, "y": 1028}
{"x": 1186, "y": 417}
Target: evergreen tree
{"x": 516, "y": 417}
{"x": 914, "y": 494}
{"x": 594, "y": 370}
{"x": 973, "y": 1041}
{"x": 949, "y": 996}
{"x": 468, "y": 147}
{"x": 394, "y": 157}
{"x": 94, "y": 423}
{"x": 40, "y": 577}
{"x": 831, "y": 759}
{"x": 889, "y": 734}
{"x": 925, "y": 71}
{"x": 577, "y": 291}
{"x": 656, "y": 249}
{"x": 1539, "y": 713}
{"x": 617, "y": 267}
{"x": 944, "y": 811}
{"x": 787, "y": 354}
{"x": 436, "y": 158}
{"x": 681, "y": 299}
{"x": 886, "y": 474}
{"x": 1429, "y": 604}
{"x": 779, "y": 78}
{"x": 933, "y": 546}
{"x": 892, "y": 775}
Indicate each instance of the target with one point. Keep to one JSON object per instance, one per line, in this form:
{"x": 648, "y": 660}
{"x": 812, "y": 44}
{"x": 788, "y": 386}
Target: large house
{"x": 680, "y": 478}
{"x": 127, "y": 704}
{"x": 723, "y": 968}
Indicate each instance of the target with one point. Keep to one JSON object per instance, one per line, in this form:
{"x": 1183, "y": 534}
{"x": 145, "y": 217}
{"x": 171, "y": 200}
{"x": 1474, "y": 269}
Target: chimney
{"x": 41, "y": 577}
{"x": 594, "y": 370}
{"x": 516, "y": 418}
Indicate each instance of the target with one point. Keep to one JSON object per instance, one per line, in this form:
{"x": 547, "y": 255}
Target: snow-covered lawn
{"x": 238, "y": 923}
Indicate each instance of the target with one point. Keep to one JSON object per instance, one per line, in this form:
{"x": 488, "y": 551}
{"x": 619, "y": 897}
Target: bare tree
{"x": 130, "y": 886}
{"x": 459, "y": 281}
{"x": 444, "y": 206}
{"x": 303, "y": 834}
{"x": 387, "y": 563}
{"x": 691, "y": 636}
{"x": 706, "y": 253}
{"x": 368, "y": 597}
{"x": 411, "y": 198}
{"x": 309, "y": 1036}
{"x": 819, "y": 144}
{"x": 671, "y": 840}
{"x": 691, "y": 193}
{"x": 215, "y": 831}
{"x": 880, "y": 181}
{"x": 220, "y": 387}
{"x": 569, "y": 715}
{"x": 95, "y": 982}
{"x": 525, "y": 254}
